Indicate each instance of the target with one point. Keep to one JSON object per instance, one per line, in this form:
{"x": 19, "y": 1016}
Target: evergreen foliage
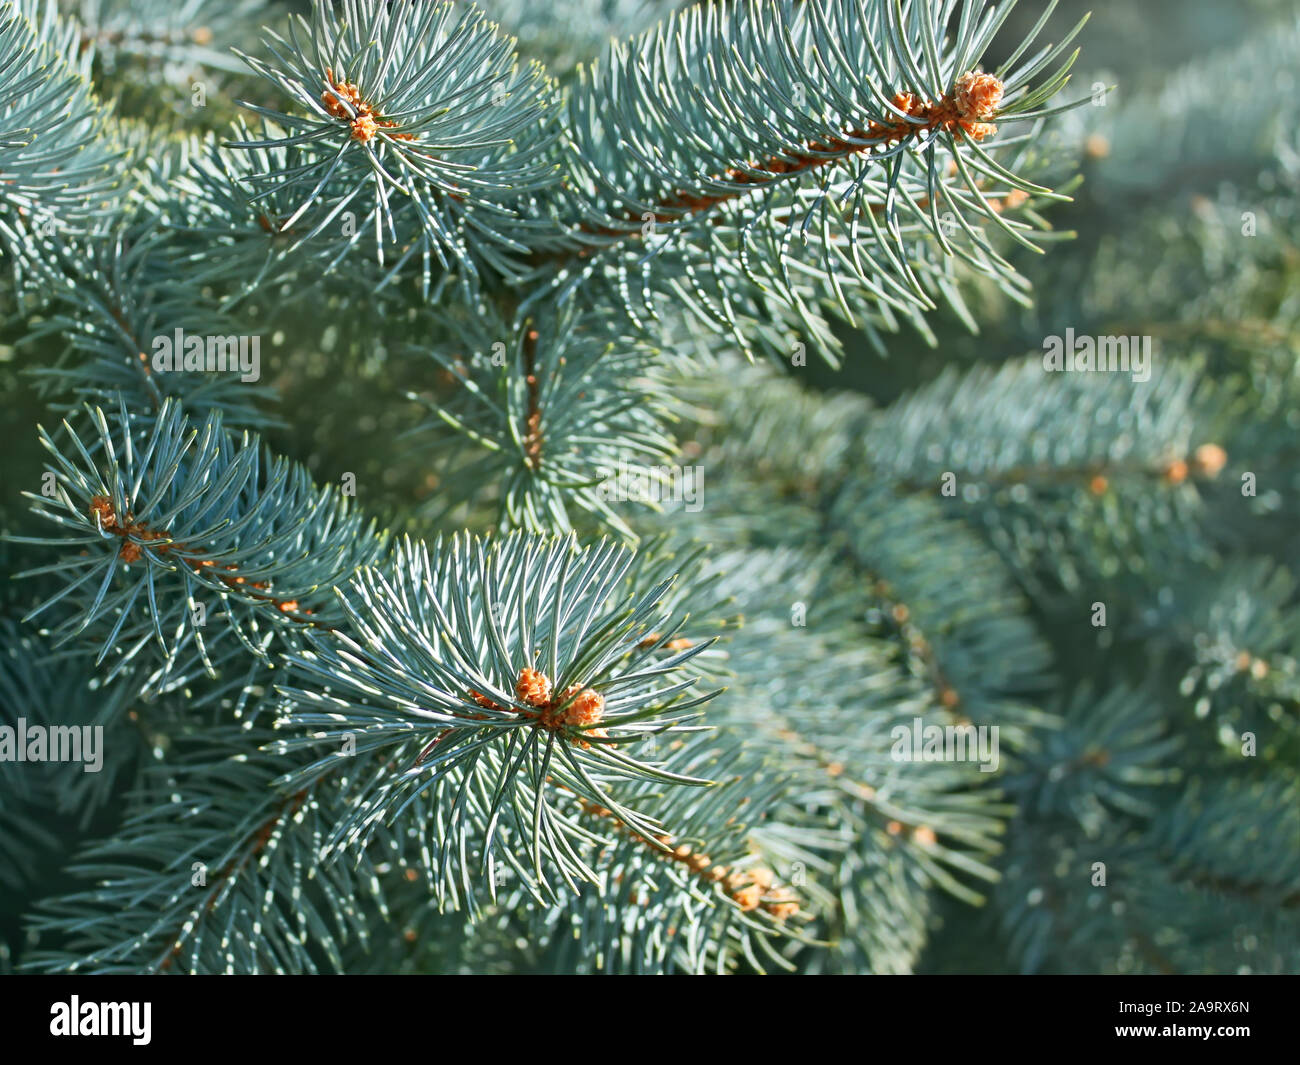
{"x": 501, "y": 478}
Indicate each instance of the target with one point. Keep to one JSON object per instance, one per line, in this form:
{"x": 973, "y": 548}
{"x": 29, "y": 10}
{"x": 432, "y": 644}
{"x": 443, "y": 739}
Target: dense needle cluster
{"x": 494, "y": 742}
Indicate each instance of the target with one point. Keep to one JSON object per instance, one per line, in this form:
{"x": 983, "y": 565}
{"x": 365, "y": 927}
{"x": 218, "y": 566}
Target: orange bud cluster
{"x": 347, "y": 103}
{"x": 1248, "y": 663}
{"x": 576, "y": 707}
{"x": 585, "y": 707}
{"x": 974, "y": 98}
{"x": 364, "y": 128}
{"x": 753, "y": 889}
{"x": 1012, "y": 201}
{"x": 1096, "y": 147}
{"x": 101, "y": 507}
{"x": 1209, "y": 460}
{"x": 977, "y": 96}
{"x": 533, "y": 687}
{"x": 347, "y": 91}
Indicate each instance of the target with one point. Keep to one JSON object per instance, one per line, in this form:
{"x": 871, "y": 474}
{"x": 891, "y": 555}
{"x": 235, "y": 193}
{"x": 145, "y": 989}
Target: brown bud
{"x": 1209, "y": 459}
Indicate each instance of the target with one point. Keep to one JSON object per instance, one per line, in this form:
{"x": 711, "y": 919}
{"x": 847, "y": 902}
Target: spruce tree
{"x": 525, "y": 487}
